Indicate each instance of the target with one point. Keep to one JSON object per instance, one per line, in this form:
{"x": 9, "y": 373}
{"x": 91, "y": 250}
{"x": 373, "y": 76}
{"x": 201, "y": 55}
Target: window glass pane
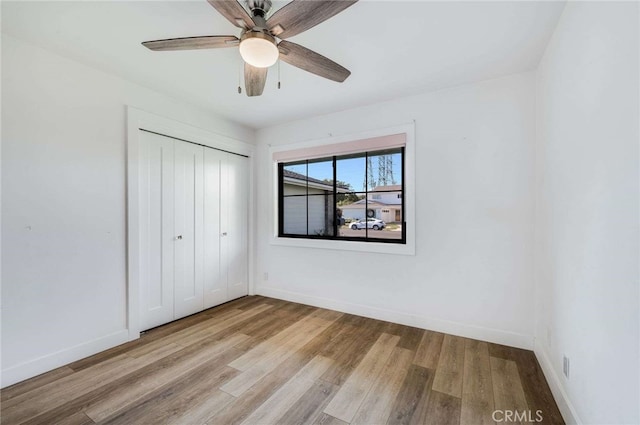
{"x": 352, "y": 209}
{"x": 295, "y": 179}
{"x": 321, "y": 202}
{"x": 295, "y": 215}
{"x": 321, "y": 171}
{"x": 386, "y": 224}
{"x": 386, "y": 204}
{"x": 321, "y": 214}
{"x": 390, "y": 231}
{"x": 350, "y": 173}
{"x": 385, "y": 173}
{"x": 350, "y": 176}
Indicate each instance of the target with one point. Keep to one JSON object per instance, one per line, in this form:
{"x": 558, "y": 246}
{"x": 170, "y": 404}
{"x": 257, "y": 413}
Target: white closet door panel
{"x": 189, "y": 191}
{"x": 236, "y": 199}
{"x": 215, "y": 284}
{"x": 224, "y": 222}
{"x": 156, "y": 229}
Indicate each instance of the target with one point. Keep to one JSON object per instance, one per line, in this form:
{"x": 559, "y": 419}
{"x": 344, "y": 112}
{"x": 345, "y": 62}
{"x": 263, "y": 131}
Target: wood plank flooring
{"x": 262, "y": 361}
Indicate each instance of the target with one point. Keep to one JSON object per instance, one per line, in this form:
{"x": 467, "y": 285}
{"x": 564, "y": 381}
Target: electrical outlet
{"x": 565, "y": 366}
{"x": 265, "y": 276}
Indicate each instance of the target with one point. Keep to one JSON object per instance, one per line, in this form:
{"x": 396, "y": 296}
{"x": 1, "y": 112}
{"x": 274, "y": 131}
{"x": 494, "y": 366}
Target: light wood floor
{"x": 259, "y": 360}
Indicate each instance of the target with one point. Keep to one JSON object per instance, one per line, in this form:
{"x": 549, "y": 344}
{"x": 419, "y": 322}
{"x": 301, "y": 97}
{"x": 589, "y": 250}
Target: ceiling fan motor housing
{"x": 257, "y": 34}
{"x": 259, "y": 7}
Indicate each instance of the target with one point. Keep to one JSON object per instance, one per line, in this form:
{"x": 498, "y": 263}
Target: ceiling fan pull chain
{"x": 239, "y": 81}
{"x": 278, "y": 74}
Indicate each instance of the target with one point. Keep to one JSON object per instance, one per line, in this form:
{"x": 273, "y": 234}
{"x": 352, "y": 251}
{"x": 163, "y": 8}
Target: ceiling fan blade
{"x": 234, "y": 12}
{"x": 310, "y": 61}
{"x": 192, "y": 43}
{"x": 300, "y": 15}
{"x": 254, "y": 79}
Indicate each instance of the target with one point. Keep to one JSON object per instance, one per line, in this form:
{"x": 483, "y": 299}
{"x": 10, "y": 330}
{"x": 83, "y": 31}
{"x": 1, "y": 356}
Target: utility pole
{"x": 385, "y": 172}
{"x": 369, "y": 177}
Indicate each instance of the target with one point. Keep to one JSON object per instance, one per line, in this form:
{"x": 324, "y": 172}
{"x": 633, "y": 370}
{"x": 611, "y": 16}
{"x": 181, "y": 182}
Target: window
{"x": 355, "y": 197}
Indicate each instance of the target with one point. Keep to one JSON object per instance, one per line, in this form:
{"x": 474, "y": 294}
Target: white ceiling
{"x": 393, "y": 48}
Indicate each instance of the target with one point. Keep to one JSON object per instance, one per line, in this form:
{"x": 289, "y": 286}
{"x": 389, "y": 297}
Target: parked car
{"x": 371, "y": 223}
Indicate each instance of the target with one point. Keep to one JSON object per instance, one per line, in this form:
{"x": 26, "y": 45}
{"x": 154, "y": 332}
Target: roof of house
{"x": 302, "y": 181}
{"x": 302, "y": 177}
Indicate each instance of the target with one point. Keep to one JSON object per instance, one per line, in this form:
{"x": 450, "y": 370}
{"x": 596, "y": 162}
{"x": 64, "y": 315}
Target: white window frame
{"x": 409, "y": 248}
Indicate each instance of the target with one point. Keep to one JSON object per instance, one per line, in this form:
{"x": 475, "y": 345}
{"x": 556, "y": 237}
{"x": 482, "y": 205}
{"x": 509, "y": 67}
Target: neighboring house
{"x": 383, "y": 202}
{"x": 320, "y": 203}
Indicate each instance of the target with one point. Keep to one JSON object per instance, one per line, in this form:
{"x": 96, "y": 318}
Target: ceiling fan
{"x": 258, "y": 42}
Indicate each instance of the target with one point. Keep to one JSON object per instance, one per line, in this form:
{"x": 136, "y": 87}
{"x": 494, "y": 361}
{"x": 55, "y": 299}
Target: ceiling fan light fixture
{"x": 258, "y": 49}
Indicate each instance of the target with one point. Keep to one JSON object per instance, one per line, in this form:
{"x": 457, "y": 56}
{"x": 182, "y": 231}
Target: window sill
{"x": 374, "y": 247}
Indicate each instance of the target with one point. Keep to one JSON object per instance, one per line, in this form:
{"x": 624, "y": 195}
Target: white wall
{"x": 587, "y": 212}
{"x": 63, "y": 205}
{"x": 472, "y": 273}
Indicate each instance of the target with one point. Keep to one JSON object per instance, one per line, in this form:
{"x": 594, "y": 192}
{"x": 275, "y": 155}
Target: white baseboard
{"x": 567, "y": 410}
{"x": 34, "y": 367}
{"x": 496, "y": 336}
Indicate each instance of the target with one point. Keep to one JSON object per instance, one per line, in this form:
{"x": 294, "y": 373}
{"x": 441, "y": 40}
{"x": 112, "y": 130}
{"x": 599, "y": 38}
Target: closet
{"x": 193, "y": 221}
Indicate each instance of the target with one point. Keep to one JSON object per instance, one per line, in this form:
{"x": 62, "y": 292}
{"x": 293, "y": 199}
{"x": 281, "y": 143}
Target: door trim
{"x": 138, "y": 120}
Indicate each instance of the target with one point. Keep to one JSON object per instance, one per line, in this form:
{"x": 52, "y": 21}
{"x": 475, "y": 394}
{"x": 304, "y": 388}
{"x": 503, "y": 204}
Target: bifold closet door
{"x": 234, "y": 224}
{"x": 193, "y": 228}
{"x": 189, "y": 228}
{"x": 156, "y": 186}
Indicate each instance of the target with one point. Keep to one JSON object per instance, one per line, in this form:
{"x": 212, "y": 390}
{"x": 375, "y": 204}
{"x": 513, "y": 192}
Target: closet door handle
{"x": 224, "y": 234}
{"x": 179, "y": 237}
